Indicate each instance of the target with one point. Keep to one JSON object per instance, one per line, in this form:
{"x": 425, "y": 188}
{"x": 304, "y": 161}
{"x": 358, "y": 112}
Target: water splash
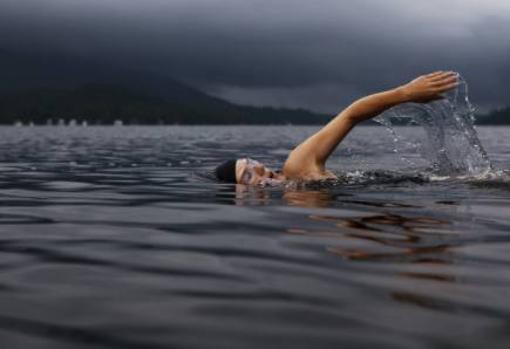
{"x": 451, "y": 142}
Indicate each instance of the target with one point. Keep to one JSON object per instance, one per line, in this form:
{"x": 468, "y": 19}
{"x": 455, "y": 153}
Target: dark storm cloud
{"x": 289, "y": 52}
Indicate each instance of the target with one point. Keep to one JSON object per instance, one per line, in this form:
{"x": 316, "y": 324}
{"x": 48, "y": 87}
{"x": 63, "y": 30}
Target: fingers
{"x": 442, "y": 76}
{"x": 447, "y": 79}
{"x": 447, "y": 87}
{"x": 436, "y": 73}
{"x": 439, "y": 74}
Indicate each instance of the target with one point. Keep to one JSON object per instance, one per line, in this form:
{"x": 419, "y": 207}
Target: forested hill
{"x": 48, "y": 88}
{"x": 41, "y": 88}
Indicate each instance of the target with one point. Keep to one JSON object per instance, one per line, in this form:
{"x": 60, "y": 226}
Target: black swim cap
{"x": 226, "y": 172}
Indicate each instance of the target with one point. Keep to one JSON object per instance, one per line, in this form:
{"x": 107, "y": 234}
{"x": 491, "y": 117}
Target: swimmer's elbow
{"x": 359, "y": 111}
{"x": 351, "y": 118}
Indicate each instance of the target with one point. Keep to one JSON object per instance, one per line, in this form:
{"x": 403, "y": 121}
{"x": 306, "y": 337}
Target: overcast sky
{"x": 298, "y": 53}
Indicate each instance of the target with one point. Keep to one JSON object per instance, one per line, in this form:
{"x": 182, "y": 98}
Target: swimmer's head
{"x": 246, "y": 171}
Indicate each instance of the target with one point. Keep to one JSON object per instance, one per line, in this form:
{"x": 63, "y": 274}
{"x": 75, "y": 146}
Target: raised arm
{"x": 311, "y": 155}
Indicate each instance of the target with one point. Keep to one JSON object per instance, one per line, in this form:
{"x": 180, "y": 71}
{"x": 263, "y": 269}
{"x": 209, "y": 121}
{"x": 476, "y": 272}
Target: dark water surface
{"x": 116, "y": 237}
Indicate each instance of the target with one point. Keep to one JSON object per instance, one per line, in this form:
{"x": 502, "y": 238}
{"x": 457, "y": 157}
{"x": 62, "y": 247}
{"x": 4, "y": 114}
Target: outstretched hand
{"x": 430, "y": 87}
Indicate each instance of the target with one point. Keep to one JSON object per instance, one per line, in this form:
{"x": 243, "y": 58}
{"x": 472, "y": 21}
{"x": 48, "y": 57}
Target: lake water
{"x": 117, "y": 237}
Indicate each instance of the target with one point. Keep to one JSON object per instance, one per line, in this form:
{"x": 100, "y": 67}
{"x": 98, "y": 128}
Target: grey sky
{"x": 315, "y": 54}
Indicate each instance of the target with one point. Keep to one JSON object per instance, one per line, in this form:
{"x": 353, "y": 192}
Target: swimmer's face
{"x": 251, "y": 172}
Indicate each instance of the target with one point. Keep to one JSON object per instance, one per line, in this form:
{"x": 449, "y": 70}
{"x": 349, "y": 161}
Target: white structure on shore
{"x": 118, "y": 123}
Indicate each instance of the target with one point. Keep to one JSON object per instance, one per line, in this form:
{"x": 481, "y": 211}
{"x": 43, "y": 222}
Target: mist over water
{"x": 450, "y": 141}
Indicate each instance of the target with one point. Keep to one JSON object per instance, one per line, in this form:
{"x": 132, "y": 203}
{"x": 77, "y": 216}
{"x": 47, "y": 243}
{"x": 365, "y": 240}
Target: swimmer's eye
{"x": 246, "y": 178}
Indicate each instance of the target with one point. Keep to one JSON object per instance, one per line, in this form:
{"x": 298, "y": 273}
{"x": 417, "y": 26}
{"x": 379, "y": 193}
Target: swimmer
{"x": 307, "y": 162}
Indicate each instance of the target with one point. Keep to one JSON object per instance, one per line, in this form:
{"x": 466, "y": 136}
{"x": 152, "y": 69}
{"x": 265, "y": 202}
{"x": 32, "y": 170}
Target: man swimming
{"x": 307, "y": 162}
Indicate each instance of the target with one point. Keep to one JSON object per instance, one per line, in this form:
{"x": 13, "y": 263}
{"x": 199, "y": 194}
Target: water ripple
{"x": 120, "y": 238}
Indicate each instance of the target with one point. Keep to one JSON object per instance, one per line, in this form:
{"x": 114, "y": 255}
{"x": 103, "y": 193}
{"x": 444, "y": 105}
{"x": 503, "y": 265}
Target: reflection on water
{"x": 307, "y": 198}
{"x": 118, "y": 238}
{"x": 408, "y": 238}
